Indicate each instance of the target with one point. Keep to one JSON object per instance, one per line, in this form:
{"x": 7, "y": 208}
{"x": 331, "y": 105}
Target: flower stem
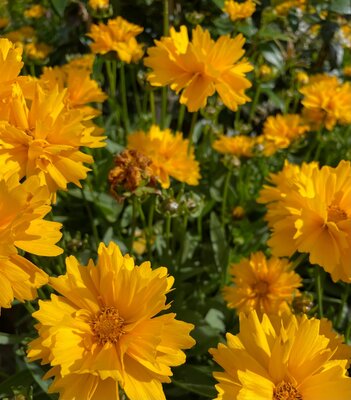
{"x": 164, "y": 89}
{"x": 134, "y": 217}
{"x": 180, "y": 117}
{"x": 191, "y": 131}
{"x": 344, "y": 298}
{"x": 152, "y": 107}
{"x": 123, "y": 91}
{"x": 135, "y": 90}
{"x": 255, "y": 101}
{"x": 91, "y": 219}
{"x": 225, "y": 193}
{"x": 319, "y": 289}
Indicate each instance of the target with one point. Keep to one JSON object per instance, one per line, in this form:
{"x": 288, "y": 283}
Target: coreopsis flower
{"x": 200, "y": 67}
{"x": 81, "y": 88}
{"x": 22, "y": 209}
{"x": 265, "y": 285}
{"x": 281, "y": 358}
{"x": 117, "y": 36}
{"x": 279, "y": 131}
{"x": 170, "y": 155}
{"x": 327, "y": 102}
{"x": 36, "y": 11}
{"x": 99, "y": 4}
{"x": 21, "y": 35}
{"x": 239, "y": 146}
{"x": 83, "y": 62}
{"x": 265, "y": 72}
{"x": 347, "y": 70}
{"x": 284, "y": 7}
{"x": 302, "y": 77}
{"x": 238, "y": 11}
{"x": 103, "y": 331}
{"x": 4, "y": 21}
{"x": 37, "y": 51}
{"x": 132, "y": 170}
{"x": 42, "y": 137}
{"x": 10, "y": 62}
{"x": 309, "y": 210}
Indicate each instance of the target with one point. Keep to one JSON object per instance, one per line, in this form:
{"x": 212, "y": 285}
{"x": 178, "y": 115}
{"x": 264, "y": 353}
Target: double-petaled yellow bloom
{"x": 238, "y": 11}
{"x": 170, "y": 155}
{"x": 35, "y": 11}
{"x": 103, "y": 331}
{"x": 261, "y": 284}
{"x": 200, "y": 67}
{"x": 42, "y": 137}
{"x": 292, "y": 358}
{"x": 309, "y": 210}
{"x": 81, "y": 88}
{"x": 280, "y": 131}
{"x": 118, "y": 35}
{"x": 22, "y": 209}
{"x": 239, "y": 146}
{"x": 326, "y": 102}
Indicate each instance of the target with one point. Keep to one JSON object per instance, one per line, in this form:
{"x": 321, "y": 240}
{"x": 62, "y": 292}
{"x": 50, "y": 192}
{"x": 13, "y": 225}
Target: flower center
{"x": 336, "y": 214}
{"x": 107, "y": 326}
{"x": 261, "y": 288}
{"x": 286, "y": 391}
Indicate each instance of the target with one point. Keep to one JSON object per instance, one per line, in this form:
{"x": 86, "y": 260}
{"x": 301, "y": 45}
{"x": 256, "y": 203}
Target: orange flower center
{"x": 107, "y": 326}
{"x": 261, "y": 288}
{"x": 336, "y": 214}
{"x": 286, "y": 391}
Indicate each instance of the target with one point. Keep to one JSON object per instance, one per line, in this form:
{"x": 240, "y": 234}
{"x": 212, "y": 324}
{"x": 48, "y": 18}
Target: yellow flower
{"x": 347, "y": 70}
{"x": 280, "y": 131}
{"x": 99, "y": 4}
{"x": 309, "y": 210}
{"x": 273, "y": 358}
{"x": 4, "y": 22}
{"x": 284, "y": 7}
{"x": 265, "y": 72}
{"x": 41, "y": 137}
{"x": 37, "y": 51}
{"x": 84, "y": 62}
{"x": 20, "y": 35}
{"x": 22, "y": 209}
{"x": 240, "y": 146}
{"x": 81, "y": 89}
{"x": 200, "y": 68}
{"x": 119, "y": 36}
{"x": 327, "y": 102}
{"x": 239, "y": 10}
{"x": 261, "y": 284}
{"x": 103, "y": 330}
{"x": 10, "y": 62}
{"x": 302, "y": 77}
{"x": 169, "y": 154}
{"x": 36, "y": 11}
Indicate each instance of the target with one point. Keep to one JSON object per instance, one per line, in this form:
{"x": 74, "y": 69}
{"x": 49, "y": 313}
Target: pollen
{"x": 286, "y": 391}
{"x": 336, "y": 214}
{"x": 107, "y": 326}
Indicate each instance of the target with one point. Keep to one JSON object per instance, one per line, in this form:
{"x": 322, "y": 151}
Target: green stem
{"x": 134, "y": 218}
{"x": 300, "y": 258}
{"x": 319, "y": 289}
{"x": 255, "y": 101}
{"x": 91, "y": 219}
{"x": 181, "y": 114}
{"x": 168, "y": 230}
{"x": 344, "y": 298}
{"x": 29, "y": 307}
{"x": 191, "y": 131}
{"x": 152, "y": 107}
{"x": 135, "y": 90}
{"x": 225, "y": 193}
{"x": 32, "y": 70}
{"x": 123, "y": 91}
{"x": 111, "y": 68}
{"x": 237, "y": 119}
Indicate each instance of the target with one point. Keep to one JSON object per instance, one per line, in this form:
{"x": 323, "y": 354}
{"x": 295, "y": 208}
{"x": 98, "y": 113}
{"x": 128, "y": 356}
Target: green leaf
{"x": 22, "y": 378}
{"x": 59, "y": 6}
{"x": 340, "y": 6}
{"x": 273, "y": 55}
{"x": 6, "y": 338}
{"x": 219, "y": 243}
{"x": 219, "y": 3}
